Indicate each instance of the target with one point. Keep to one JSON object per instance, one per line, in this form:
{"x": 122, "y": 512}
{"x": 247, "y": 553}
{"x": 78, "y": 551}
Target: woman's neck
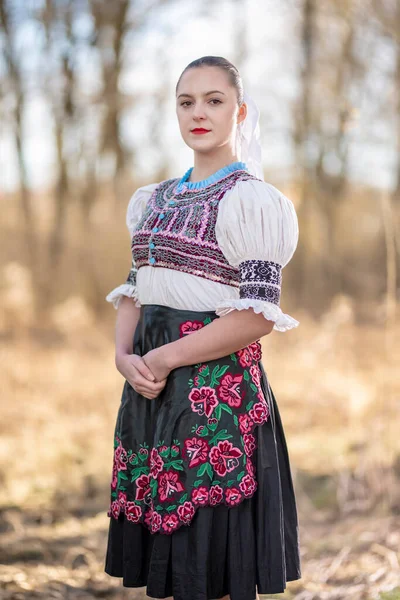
{"x": 204, "y": 166}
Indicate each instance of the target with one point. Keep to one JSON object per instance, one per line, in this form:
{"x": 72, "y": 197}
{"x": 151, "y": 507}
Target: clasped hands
{"x": 146, "y": 374}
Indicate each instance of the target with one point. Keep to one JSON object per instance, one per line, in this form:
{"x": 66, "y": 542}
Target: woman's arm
{"x": 220, "y": 338}
{"x": 131, "y": 366}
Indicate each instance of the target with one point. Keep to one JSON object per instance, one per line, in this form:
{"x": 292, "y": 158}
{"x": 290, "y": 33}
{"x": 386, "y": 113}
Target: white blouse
{"x": 255, "y": 222}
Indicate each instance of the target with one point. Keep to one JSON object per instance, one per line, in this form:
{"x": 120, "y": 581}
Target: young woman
{"x": 202, "y": 501}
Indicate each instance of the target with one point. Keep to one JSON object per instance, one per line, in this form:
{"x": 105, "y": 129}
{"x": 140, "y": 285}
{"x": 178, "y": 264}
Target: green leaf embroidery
{"x": 207, "y": 321}
{"x": 212, "y": 426}
{"x": 201, "y": 381}
{"x": 142, "y": 457}
{"x": 159, "y": 507}
{"x": 253, "y": 387}
{"x": 235, "y": 420}
{"x": 209, "y": 470}
{"x": 226, "y": 408}
{"x": 249, "y": 405}
{"x": 202, "y": 470}
{"x": 222, "y": 371}
{"x": 122, "y": 488}
{"x": 197, "y": 483}
{"x": 183, "y": 498}
{"x": 231, "y": 482}
{"x": 239, "y": 477}
{"x": 113, "y": 494}
{"x": 220, "y": 435}
{"x": 153, "y": 484}
{"x": 171, "y": 508}
{"x": 205, "y": 372}
{"x": 217, "y": 412}
{"x": 165, "y": 453}
{"x": 137, "y": 472}
{"x": 234, "y": 358}
{"x": 134, "y": 461}
{"x": 121, "y": 475}
{"x": 177, "y": 465}
{"x": 246, "y": 375}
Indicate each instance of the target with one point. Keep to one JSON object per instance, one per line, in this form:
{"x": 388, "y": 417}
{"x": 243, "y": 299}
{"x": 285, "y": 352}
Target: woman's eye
{"x": 216, "y": 100}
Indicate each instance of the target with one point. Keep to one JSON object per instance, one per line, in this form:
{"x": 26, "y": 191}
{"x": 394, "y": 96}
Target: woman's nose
{"x": 198, "y": 111}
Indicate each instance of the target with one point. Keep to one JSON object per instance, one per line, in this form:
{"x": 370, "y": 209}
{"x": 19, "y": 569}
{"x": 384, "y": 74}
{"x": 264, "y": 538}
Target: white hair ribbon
{"x": 248, "y": 138}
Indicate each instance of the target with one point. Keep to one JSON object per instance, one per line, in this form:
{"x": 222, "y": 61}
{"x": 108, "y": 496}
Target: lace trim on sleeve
{"x": 270, "y": 311}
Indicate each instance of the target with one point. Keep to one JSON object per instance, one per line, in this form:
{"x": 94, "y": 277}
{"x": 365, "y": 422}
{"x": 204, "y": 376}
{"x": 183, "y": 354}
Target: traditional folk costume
{"x": 202, "y": 501}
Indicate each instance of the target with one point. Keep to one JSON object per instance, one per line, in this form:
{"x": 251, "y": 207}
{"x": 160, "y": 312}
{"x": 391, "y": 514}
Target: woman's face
{"x": 205, "y": 99}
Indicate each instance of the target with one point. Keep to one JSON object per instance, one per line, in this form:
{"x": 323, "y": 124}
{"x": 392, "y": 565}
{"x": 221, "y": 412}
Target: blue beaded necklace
{"x": 196, "y": 185}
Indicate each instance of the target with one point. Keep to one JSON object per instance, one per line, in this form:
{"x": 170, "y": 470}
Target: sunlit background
{"x": 87, "y": 114}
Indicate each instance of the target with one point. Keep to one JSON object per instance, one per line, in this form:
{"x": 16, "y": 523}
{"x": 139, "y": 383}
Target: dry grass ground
{"x": 338, "y": 390}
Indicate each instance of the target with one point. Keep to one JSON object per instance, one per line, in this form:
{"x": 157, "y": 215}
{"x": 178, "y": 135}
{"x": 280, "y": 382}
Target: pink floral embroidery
{"x": 143, "y": 451}
{"x": 248, "y": 485}
{"x": 186, "y": 512}
{"x": 170, "y": 523}
{"x": 216, "y": 495}
{"x": 250, "y": 468}
{"x": 168, "y": 485}
{"x": 259, "y": 413}
{"x": 115, "y": 509}
{"x": 155, "y": 521}
{"x": 121, "y": 457}
{"x": 255, "y": 375}
{"x": 156, "y": 463}
{"x": 200, "y": 495}
{"x": 224, "y": 457}
{"x": 249, "y": 443}
{"x": 233, "y": 496}
{"x": 203, "y": 400}
{"x": 245, "y": 423}
{"x": 245, "y": 358}
{"x": 202, "y": 368}
{"x": 255, "y": 351}
{"x": 114, "y": 478}
{"x": 229, "y": 389}
{"x": 142, "y": 487}
{"x": 190, "y": 327}
{"x": 122, "y": 500}
{"x": 132, "y": 458}
{"x": 133, "y": 512}
{"x": 197, "y": 451}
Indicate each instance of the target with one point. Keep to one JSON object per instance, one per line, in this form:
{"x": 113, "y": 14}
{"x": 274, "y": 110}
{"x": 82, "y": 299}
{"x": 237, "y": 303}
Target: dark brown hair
{"x": 220, "y": 62}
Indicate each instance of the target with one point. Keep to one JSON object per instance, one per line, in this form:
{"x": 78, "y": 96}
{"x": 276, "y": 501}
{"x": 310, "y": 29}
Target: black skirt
{"x": 202, "y": 502}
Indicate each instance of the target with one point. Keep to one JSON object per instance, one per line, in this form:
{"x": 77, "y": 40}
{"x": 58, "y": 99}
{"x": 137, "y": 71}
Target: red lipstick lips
{"x": 199, "y": 131}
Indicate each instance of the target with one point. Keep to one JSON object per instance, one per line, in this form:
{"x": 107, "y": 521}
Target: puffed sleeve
{"x": 134, "y": 212}
{"x": 257, "y": 231}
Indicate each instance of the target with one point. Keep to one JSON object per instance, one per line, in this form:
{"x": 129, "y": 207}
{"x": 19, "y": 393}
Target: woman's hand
{"x": 140, "y": 377}
{"x": 155, "y": 360}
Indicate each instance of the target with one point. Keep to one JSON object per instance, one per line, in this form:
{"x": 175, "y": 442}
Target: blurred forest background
{"x": 87, "y": 114}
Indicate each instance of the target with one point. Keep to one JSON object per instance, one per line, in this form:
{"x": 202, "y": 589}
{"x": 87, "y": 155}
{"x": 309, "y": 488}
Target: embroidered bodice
{"x": 177, "y": 229}
{"x": 217, "y": 244}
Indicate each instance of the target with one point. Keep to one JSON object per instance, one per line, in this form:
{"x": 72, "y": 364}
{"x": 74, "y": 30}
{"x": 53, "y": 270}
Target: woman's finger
{"x": 143, "y": 369}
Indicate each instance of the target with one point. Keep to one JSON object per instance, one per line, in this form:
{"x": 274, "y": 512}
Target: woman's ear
{"x": 242, "y": 113}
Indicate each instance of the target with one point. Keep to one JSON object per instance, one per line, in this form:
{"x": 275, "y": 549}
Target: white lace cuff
{"x": 271, "y": 311}
{"x": 125, "y": 289}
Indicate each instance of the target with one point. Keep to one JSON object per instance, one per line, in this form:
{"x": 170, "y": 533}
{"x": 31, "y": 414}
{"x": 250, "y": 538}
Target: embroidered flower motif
{"x": 249, "y": 443}
{"x": 245, "y": 423}
{"x": 248, "y": 485}
{"x": 200, "y": 495}
{"x": 190, "y": 327}
{"x": 115, "y": 509}
{"x": 155, "y": 521}
{"x": 202, "y": 368}
{"x": 216, "y": 495}
{"x": 142, "y": 487}
{"x": 174, "y": 450}
{"x": 121, "y": 457}
{"x": 132, "y": 458}
{"x": 255, "y": 351}
{"x": 245, "y": 358}
{"x": 162, "y": 448}
{"x": 114, "y": 478}
{"x": 250, "y": 468}
{"x": 143, "y": 451}
{"x": 122, "y": 500}
{"x": 203, "y": 400}
{"x": 200, "y": 429}
{"x": 186, "y": 512}
{"x": 224, "y": 457}
{"x": 168, "y": 485}
{"x": 133, "y": 512}
{"x": 196, "y": 450}
{"x": 196, "y": 380}
{"x": 170, "y": 523}
{"x": 156, "y": 463}
{"x": 233, "y": 496}
{"x": 212, "y": 421}
{"x": 148, "y": 517}
{"x": 255, "y": 375}
{"x": 229, "y": 389}
{"x": 259, "y": 413}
